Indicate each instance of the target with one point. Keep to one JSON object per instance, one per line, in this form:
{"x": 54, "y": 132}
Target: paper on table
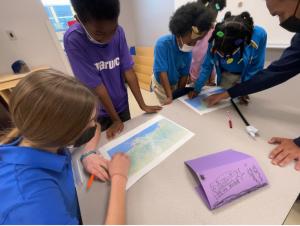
{"x": 226, "y": 176}
{"x": 198, "y": 105}
{"x": 148, "y": 145}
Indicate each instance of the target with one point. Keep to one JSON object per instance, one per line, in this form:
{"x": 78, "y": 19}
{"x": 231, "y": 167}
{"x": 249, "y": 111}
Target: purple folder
{"x": 226, "y": 176}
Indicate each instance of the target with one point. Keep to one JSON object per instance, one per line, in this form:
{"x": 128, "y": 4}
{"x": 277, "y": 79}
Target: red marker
{"x": 229, "y": 120}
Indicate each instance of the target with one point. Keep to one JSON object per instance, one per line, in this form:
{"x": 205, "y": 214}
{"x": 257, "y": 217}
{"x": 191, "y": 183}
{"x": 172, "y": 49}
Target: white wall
{"x": 126, "y": 20}
{"x": 151, "y": 20}
{"x": 36, "y": 42}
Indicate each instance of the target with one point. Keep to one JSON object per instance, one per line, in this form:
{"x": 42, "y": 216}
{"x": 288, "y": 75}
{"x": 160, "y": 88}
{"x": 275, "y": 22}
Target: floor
{"x": 294, "y": 216}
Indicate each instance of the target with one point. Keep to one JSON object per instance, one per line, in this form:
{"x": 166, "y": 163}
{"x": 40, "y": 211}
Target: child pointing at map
{"x": 37, "y": 185}
{"x": 172, "y": 53}
{"x": 98, "y": 53}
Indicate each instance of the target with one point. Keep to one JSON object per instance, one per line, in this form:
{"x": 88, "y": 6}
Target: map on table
{"x": 198, "y": 105}
{"x": 148, "y": 145}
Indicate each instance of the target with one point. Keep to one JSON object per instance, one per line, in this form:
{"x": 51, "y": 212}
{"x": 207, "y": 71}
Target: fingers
{"x": 114, "y": 130}
{"x": 99, "y": 172}
{"x": 157, "y": 108}
{"x": 211, "y": 101}
{"x": 168, "y": 101}
{"x": 191, "y": 94}
{"x": 287, "y": 160}
{"x": 297, "y": 166}
{"x": 276, "y": 140}
{"x": 109, "y": 133}
{"x": 279, "y": 157}
{"x": 275, "y": 152}
{"x": 153, "y": 109}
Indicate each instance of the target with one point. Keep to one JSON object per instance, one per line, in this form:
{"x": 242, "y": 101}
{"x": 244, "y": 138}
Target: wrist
{"x": 116, "y": 120}
{"x": 119, "y": 178}
{"x": 87, "y": 154}
{"x": 170, "y": 96}
{"x": 142, "y": 106}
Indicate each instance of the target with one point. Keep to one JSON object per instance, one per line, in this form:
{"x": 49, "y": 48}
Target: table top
{"x": 166, "y": 195}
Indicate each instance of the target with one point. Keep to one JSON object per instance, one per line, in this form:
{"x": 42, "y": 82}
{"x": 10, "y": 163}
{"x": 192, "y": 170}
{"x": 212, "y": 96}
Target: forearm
{"x": 260, "y": 82}
{"x": 278, "y": 72}
{"x": 164, "y": 80}
{"x": 93, "y": 143}
{"x": 107, "y": 102}
{"x": 116, "y": 206}
{"x": 134, "y": 86}
{"x": 182, "y": 82}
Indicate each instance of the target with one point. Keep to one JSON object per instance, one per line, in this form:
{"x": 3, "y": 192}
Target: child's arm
{"x": 132, "y": 81}
{"x": 183, "y": 81}
{"x": 118, "y": 170}
{"x": 105, "y": 99}
{"x": 95, "y": 163}
{"x": 87, "y": 73}
{"x": 164, "y": 80}
{"x": 204, "y": 75}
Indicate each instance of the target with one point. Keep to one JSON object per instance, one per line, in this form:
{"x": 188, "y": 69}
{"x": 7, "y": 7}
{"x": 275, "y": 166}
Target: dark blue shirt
{"x": 36, "y": 187}
{"x": 278, "y": 72}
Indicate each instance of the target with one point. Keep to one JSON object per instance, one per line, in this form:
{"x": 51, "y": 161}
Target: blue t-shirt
{"x": 36, "y": 187}
{"x": 237, "y": 65}
{"x": 168, "y": 58}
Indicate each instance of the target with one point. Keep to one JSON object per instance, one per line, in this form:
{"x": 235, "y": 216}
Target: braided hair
{"x": 232, "y": 33}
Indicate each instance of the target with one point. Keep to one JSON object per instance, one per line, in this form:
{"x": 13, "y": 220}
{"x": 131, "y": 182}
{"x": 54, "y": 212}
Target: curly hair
{"x": 189, "y": 15}
{"x": 96, "y": 9}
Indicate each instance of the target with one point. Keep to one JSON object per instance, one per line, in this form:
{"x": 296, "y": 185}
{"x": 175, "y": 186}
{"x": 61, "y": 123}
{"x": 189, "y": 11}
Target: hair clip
{"x": 220, "y": 34}
{"x": 229, "y": 60}
{"x": 218, "y": 8}
{"x": 195, "y": 33}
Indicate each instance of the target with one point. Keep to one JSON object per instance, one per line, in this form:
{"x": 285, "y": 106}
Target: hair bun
{"x": 227, "y": 15}
{"x": 245, "y": 15}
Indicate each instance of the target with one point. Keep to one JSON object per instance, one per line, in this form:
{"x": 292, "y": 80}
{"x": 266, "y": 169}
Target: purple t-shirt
{"x": 95, "y": 64}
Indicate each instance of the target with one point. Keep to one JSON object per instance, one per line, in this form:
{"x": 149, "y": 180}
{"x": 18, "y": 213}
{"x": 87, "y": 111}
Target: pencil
{"x": 90, "y": 182}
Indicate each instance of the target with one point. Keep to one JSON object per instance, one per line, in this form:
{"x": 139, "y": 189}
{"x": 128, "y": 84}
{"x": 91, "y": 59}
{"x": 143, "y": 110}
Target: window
{"x": 59, "y": 12}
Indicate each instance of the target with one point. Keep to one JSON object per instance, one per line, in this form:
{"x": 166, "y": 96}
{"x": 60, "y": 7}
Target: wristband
{"x": 86, "y": 154}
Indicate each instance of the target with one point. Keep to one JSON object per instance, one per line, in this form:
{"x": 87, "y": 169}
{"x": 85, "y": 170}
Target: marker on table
{"x": 251, "y": 130}
{"x": 229, "y": 120}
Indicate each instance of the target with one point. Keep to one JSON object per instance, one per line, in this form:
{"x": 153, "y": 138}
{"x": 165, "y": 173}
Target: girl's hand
{"x": 116, "y": 128}
{"x": 216, "y": 98}
{"x": 119, "y": 166}
{"x": 97, "y": 165}
{"x": 168, "y": 101}
{"x": 192, "y": 94}
{"x": 285, "y": 152}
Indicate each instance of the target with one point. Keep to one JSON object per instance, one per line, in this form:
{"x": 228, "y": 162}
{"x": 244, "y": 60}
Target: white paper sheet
{"x": 148, "y": 145}
{"x": 197, "y": 104}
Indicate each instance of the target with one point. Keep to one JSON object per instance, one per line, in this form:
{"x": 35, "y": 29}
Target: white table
{"x": 166, "y": 195}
